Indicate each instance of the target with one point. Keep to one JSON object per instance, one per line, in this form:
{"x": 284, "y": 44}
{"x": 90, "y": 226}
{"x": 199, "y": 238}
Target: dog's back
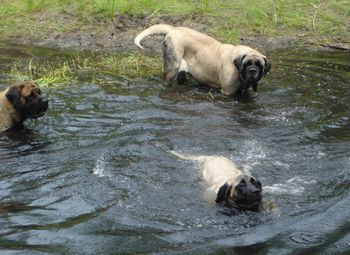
{"x": 218, "y": 168}
{"x": 189, "y": 36}
{"x": 214, "y": 168}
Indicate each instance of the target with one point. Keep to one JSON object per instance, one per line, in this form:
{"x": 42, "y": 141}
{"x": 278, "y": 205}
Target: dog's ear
{"x": 238, "y": 62}
{"x": 223, "y": 192}
{"x": 267, "y": 67}
{"x": 14, "y": 95}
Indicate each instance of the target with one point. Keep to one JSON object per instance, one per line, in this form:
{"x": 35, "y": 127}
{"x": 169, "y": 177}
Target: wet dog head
{"x": 251, "y": 68}
{"x": 25, "y": 96}
{"x": 245, "y": 193}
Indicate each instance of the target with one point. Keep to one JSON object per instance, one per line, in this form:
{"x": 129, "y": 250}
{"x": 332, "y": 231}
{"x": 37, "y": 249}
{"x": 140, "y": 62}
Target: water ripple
{"x": 94, "y": 176}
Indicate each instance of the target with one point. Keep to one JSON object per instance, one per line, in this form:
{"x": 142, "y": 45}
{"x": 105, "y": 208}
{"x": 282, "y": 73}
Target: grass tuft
{"x": 44, "y": 76}
{"x": 62, "y": 71}
{"x": 134, "y": 65}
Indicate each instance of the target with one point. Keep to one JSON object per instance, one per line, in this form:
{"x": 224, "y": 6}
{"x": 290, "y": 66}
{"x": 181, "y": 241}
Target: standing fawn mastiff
{"x": 233, "y": 69}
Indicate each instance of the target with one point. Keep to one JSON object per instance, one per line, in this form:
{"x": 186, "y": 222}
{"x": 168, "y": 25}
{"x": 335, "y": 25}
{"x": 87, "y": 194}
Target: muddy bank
{"x": 117, "y": 34}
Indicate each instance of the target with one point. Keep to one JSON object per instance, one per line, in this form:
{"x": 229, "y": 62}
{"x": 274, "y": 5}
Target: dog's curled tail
{"x": 188, "y": 157}
{"x": 161, "y": 29}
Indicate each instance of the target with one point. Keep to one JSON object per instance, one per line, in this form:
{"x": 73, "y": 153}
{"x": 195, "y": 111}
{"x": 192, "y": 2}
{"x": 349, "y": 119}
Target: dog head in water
{"x": 243, "y": 192}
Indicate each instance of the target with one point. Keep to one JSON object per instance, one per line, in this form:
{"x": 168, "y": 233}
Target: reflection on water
{"x": 94, "y": 176}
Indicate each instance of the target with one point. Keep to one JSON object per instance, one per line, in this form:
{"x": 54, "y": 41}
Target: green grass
{"x": 245, "y": 17}
{"x": 225, "y": 19}
{"x": 61, "y": 71}
{"x": 45, "y": 77}
{"x": 280, "y": 18}
{"x": 131, "y": 65}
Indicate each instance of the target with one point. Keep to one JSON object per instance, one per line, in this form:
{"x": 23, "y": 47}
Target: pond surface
{"x": 94, "y": 175}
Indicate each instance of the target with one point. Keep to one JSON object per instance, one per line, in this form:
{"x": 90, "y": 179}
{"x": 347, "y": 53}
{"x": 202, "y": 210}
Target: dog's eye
{"x": 242, "y": 184}
{"x": 38, "y": 91}
{"x": 255, "y": 182}
{"x": 258, "y": 64}
{"x": 249, "y": 62}
{"x": 258, "y": 183}
{"x": 30, "y": 97}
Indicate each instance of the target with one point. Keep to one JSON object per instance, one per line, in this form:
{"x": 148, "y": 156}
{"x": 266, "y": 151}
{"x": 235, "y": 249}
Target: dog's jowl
{"x": 232, "y": 69}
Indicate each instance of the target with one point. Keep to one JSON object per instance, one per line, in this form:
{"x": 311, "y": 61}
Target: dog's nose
{"x": 45, "y": 103}
{"x": 253, "y": 71}
{"x": 256, "y": 192}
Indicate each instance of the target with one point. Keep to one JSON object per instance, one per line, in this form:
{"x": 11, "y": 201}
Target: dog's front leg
{"x": 228, "y": 89}
{"x": 229, "y": 82}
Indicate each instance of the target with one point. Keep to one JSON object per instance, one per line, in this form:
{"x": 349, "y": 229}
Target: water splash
{"x": 294, "y": 186}
{"x": 99, "y": 169}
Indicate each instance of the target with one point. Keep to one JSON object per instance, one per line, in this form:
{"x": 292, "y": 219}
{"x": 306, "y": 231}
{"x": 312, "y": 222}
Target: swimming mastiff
{"x": 233, "y": 69}
{"x": 19, "y": 102}
{"x": 228, "y": 185}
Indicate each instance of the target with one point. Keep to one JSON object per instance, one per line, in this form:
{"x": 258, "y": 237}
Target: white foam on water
{"x": 294, "y": 186}
{"x": 253, "y": 154}
{"x": 99, "y": 168}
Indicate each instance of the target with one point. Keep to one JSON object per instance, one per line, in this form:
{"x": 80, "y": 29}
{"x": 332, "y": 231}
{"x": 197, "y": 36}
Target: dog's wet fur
{"x": 228, "y": 186}
{"x": 19, "y": 102}
{"x": 26, "y": 98}
{"x": 244, "y": 194}
{"x": 251, "y": 70}
{"x": 232, "y": 69}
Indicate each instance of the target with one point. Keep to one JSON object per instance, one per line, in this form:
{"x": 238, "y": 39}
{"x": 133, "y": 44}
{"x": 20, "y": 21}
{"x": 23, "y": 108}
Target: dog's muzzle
{"x": 37, "y": 108}
{"x": 249, "y": 197}
{"x": 250, "y": 78}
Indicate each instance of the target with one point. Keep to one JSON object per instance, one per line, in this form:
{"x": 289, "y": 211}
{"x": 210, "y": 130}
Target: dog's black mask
{"x": 248, "y": 193}
{"x": 245, "y": 195}
{"x": 251, "y": 70}
{"x": 31, "y": 104}
{"x": 35, "y": 107}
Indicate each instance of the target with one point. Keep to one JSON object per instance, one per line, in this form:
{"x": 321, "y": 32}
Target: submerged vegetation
{"x": 27, "y": 21}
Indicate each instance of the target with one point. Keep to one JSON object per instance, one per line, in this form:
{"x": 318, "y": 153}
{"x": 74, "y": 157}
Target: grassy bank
{"x": 43, "y": 22}
{"x": 230, "y": 19}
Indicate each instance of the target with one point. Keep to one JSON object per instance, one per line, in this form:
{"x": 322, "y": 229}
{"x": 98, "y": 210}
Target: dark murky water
{"x": 94, "y": 175}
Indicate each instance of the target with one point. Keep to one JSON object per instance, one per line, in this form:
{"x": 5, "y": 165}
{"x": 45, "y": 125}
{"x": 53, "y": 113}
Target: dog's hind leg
{"x": 182, "y": 73}
{"x": 181, "y": 78}
{"x": 172, "y": 61}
